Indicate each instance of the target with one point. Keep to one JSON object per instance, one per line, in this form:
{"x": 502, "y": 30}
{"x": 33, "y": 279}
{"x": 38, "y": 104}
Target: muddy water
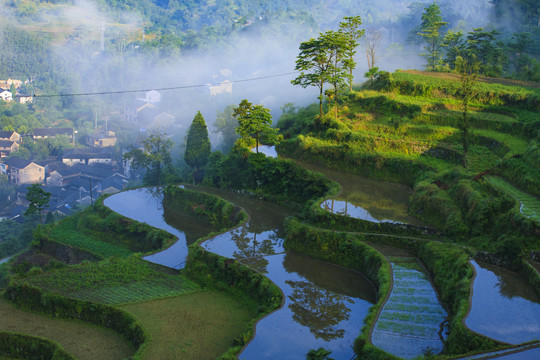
{"x": 145, "y": 205}
{"x": 325, "y": 305}
{"x": 504, "y": 306}
{"x": 366, "y": 198}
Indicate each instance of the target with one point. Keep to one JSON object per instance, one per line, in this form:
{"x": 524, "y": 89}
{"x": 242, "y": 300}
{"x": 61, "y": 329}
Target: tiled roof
{"x": 17, "y": 162}
{"x": 53, "y": 131}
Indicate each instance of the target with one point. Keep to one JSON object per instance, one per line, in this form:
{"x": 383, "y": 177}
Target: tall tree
{"x": 322, "y": 61}
{"x": 198, "y": 143}
{"x": 432, "y": 23}
{"x": 350, "y": 27}
{"x": 455, "y": 45}
{"x": 254, "y": 122}
{"x": 372, "y": 39}
{"x": 468, "y": 74}
{"x": 487, "y": 50}
{"x": 152, "y": 155}
{"x": 38, "y": 198}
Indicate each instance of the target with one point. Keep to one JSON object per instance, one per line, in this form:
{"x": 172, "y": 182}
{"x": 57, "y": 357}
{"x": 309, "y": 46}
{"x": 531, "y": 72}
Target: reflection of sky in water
{"x": 499, "y": 311}
{"x": 341, "y": 207}
{"x": 313, "y": 316}
{"x": 5, "y": 260}
{"x": 267, "y": 150}
{"x": 145, "y": 205}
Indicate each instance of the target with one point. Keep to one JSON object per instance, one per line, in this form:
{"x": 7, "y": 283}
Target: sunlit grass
{"x": 530, "y": 205}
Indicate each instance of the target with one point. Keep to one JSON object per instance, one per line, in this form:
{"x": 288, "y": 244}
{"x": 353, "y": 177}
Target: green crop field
{"x": 113, "y": 281}
{"x": 529, "y": 205}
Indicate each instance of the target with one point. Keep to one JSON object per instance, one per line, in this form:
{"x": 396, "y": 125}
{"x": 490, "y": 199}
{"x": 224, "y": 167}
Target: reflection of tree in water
{"x": 251, "y": 251}
{"x": 318, "y": 309}
{"x": 155, "y": 194}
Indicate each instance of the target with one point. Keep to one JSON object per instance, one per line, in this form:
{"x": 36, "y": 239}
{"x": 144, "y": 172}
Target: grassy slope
{"x": 194, "y": 326}
{"x": 82, "y": 340}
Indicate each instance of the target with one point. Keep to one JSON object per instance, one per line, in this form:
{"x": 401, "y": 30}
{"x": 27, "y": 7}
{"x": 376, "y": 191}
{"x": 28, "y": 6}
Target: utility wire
{"x": 161, "y": 89}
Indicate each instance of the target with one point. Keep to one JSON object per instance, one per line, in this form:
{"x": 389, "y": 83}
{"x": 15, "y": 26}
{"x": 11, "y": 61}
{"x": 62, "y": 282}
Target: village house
{"x": 101, "y": 139}
{"x": 11, "y": 136}
{"x": 23, "y": 99}
{"x": 45, "y": 133}
{"x": 88, "y": 157}
{"x": 6, "y": 95}
{"x": 7, "y": 147}
{"x": 21, "y": 171}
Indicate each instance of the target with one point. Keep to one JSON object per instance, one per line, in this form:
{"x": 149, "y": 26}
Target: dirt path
{"x": 84, "y": 341}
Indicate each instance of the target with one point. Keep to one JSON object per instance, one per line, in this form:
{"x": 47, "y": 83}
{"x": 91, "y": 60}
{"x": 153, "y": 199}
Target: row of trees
{"x": 493, "y": 55}
{"x": 253, "y": 123}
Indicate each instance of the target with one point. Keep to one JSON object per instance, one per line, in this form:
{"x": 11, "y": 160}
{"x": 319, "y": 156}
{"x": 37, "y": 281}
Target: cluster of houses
{"x": 7, "y": 95}
{"x": 75, "y": 179}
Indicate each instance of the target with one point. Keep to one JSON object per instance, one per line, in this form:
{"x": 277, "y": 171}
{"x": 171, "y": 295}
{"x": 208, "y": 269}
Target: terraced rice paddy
{"x": 530, "y": 206}
{"x": 410, "y": 322}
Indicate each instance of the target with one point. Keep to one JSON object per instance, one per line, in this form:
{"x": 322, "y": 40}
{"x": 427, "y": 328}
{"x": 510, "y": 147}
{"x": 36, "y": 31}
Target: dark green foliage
{"x": 14, "y": 236}
{"x": 212, "y": 209}
{"x": 319, "y": 354}
{"x": 32, "y": 298}
{"x": 254, "y": 122}
{"x": 38, "y": 198}
{"x": 279, "y": 180}
{"x": 21, "y": 346}
{"x": 197, "y": 143}
{"x": 153, "y": 155}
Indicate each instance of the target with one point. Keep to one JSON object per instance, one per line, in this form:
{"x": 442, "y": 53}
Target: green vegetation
{"x": 26, "y": 347}
{"x": 529, "y": 205}
{"x": 254, "y": 123}
{"x": 113, "y": 281}
{"x": 197, "y": 143}
{"x": 199, "y": 325}
{"x": 85, "y": 341}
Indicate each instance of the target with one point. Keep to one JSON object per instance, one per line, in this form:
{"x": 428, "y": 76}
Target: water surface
{"x": 325, "y": 305}
{"x": 504, "y": 306}
{"x": 145, "y": 205}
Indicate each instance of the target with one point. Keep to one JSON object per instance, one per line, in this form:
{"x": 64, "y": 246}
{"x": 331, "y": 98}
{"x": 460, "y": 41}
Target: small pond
{"x": 504, "y": 306}
{"x": 325, "y": 305}
{"x": 145, "y": 205}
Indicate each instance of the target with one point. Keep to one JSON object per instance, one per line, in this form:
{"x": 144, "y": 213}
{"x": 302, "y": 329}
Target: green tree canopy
{"x": 430, "y": 31}
{"x": 254, "y": 122}
{"x": 197, "y": 144}
{"x": 350, "y": 27}
{"x": 38, "y": 198}
{"x": 152, "y": 155}
{"x": 322, "y": 61}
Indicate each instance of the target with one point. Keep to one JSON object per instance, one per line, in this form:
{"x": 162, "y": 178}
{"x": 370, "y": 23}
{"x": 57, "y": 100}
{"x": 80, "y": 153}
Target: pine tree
{"x": 198, "y": 143}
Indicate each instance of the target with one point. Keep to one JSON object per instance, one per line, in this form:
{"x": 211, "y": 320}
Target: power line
{"x": 161, "y": 89}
